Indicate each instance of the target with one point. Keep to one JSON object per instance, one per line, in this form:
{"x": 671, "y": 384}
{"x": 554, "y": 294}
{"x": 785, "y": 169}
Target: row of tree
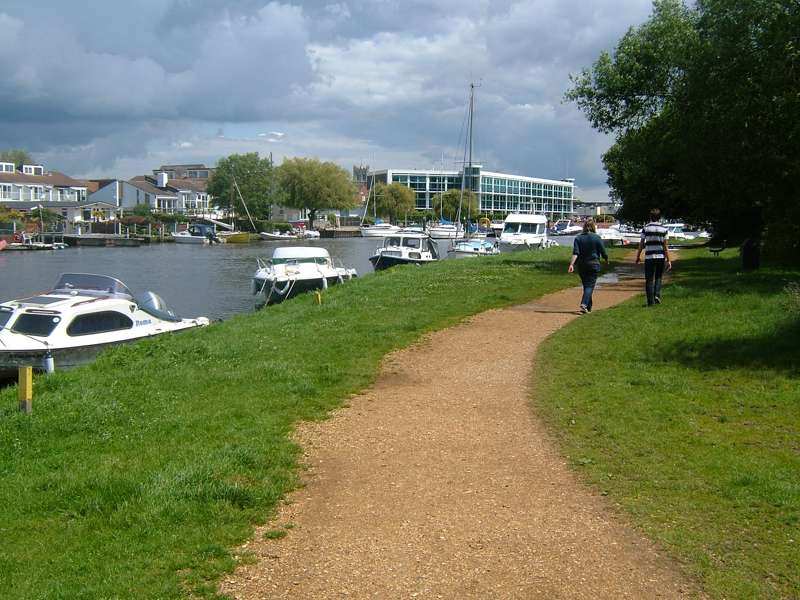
{"x": 703, "y": 100}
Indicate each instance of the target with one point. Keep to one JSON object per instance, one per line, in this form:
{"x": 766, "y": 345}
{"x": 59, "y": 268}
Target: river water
{"x": 211, "y": 281}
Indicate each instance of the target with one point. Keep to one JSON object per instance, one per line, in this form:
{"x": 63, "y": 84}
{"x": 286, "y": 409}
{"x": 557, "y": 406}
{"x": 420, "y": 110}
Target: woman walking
{"x": 587, "y": 249}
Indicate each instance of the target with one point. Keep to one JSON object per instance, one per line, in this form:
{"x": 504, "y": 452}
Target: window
{"x": 5, "y": 315}
{"x": 40, "y": 325}
{"x": 6, "y": 167}
{"x": 99, "y": 322}
{"x": 5, "y": 191}
{"x": 411, "y": 242}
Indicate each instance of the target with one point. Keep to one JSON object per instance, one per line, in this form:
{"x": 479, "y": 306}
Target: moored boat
{"x": 473, "y": 247}
{"x": 197, "y": 233}
{"x": 522, "y": 231}
{"x": 294, "y": 270}
{"x": 378, "y": 230}
{"x": 404, "y": 249}
{"x": 82, "y": 315}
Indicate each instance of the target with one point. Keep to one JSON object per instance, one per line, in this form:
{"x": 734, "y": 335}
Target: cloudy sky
{"x": 112, "y": 88}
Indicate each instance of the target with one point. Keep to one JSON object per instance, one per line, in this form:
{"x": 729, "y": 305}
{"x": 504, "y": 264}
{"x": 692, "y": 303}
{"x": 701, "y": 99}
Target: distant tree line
{"x": 704, "y": 103}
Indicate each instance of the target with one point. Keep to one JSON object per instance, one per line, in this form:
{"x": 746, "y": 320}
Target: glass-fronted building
{"x": 499, "y": 192}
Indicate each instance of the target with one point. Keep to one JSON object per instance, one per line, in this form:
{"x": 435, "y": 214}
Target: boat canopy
{"x": 297, "y": 252}
{"x": 525, "y": 218}
{"x": 91, "y": 284}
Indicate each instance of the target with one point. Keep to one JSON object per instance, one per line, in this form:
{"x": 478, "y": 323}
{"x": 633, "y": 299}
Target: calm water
{"x": 212, "y": 281}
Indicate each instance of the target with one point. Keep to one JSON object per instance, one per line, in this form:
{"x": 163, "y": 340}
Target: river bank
{"x": 136, "y": 474}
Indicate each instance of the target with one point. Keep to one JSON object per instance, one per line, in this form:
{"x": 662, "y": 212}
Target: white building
{"x": 159, "y": 194}
{"x": 498, "y": 192}
{"x": 32, "y": 184}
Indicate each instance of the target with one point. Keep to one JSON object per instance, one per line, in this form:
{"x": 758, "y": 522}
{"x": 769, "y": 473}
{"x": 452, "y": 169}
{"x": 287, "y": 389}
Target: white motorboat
{"x": 473, "y": 247}
{"x": 611, "y": 236}
{"x": 277, "y": 236}
{"x": 309, "y": 234}
{"x": 197, "y": 233}
{"x": 379, "y": 230}
{"x": 446, "y": 231}
{"x": 294, "y": 270}
{"x": 81, "y": 316}
{"x": 565, "y": 227}
{"x": 405, "y": 249}
{"x": 523, "y": 231}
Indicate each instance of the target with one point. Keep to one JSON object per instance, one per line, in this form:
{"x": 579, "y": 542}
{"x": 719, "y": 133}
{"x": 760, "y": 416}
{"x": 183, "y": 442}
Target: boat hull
{"x": 190, "y": 239}
{"x": 382, "y": 261}
{"x": 300, "y": 286}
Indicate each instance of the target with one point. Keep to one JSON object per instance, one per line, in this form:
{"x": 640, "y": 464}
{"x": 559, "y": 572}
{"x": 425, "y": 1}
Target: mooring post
{"x": 318, "y": 295}
{"x": 26, "y": 389}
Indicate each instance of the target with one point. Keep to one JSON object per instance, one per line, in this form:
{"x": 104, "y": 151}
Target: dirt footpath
{"x": 438, "y": 482}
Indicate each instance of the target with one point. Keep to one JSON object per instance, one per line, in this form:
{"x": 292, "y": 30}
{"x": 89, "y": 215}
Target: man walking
{"x": 656, "y": 254}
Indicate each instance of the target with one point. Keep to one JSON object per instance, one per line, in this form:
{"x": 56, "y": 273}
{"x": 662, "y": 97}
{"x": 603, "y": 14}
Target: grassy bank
{"x": 688, "y": 416}
{"x": 136, "y": 475}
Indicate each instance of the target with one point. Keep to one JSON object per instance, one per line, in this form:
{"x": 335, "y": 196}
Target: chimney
{"x": 162, "y": 179}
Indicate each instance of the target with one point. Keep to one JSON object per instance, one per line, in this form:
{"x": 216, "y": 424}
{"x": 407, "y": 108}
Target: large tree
{"x": 394, "y": 201}
{"x": 703, "y": 101}
{"x": 18, "y": 157}
{"x": 310, "y": 184}
{"x": 255, "y": 177}
{"x": 447, "y": 204}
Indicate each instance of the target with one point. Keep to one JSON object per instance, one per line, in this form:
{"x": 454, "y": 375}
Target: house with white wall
{"x": 32, "y": 183}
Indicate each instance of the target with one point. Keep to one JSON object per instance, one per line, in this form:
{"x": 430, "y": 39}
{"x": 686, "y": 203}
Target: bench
{"x": 716, "y": 247}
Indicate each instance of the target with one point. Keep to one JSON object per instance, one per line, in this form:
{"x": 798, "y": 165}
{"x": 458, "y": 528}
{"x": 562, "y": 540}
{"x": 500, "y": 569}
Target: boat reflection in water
{"x": 81, "y": 316}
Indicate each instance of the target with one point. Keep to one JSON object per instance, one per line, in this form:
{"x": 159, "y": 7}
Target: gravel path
{"x": 438, "y": 482}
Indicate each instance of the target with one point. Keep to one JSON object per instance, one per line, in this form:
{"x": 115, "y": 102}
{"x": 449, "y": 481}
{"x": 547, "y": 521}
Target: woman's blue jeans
{"x": 588, "y": 272}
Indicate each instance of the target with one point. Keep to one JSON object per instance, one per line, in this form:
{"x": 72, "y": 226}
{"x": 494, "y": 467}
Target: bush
{"x": 791, "y": 299}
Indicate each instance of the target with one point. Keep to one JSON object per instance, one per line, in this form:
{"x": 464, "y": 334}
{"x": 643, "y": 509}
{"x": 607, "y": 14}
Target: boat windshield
{"x": 511, "y": 228}
{"x": 320, "y": 260}
{"x": 85, "y": 282}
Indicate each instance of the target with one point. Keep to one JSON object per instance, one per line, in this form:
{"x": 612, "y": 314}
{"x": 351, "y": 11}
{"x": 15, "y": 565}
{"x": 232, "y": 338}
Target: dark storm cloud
{"x": 99, "y": 83}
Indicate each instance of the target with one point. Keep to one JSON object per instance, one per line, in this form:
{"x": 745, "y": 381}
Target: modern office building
{"x": 499, "y": 192}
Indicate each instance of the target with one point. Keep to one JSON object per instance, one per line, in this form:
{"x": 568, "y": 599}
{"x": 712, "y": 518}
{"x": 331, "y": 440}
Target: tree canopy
{"x": 703, "y": 101}
{"x": 17, "y": 156}
{"x": 394, "y": 201}
{"x": 254, "y": 176}
{"x": 310, "y": 184}
{"x": 446, "y": 204}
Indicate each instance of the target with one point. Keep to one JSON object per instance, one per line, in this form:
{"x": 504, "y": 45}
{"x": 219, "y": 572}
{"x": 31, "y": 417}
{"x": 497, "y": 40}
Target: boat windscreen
{"x": 91, "y": 283}
{"x": 320, "y": 260}
{"x": 434, "y": 248}
{"x": 5, "y": 315}
{"x": 35, "y": 324}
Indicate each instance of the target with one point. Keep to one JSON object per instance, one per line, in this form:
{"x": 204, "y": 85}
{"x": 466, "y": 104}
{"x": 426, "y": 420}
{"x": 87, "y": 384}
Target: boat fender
{"x": 48, "y": 364}
{"x": 324, "y": 283}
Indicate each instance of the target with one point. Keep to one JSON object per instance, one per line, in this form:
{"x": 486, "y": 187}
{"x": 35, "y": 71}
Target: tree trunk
{"x": 751, "y": 254}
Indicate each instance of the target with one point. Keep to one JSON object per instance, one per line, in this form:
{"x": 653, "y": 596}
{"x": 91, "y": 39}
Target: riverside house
{"x": 32, "y": 183}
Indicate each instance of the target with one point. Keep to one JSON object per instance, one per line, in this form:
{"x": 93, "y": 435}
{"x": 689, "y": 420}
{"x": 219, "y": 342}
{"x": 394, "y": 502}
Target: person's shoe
{"x": 583, "y": 309}
{"x": 657, "y": 299}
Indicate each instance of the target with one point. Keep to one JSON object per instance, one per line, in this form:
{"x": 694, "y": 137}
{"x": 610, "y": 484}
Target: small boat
{"x": 405, "y": 249}
{"x": 197, "y": 233}
{"x": 565, "y": 227}
{"x": 308, "y": 234}
{"x": 379, "y": 230}
{"x": 446, "y": 231}
{"x": 611, "y": 236}
{"x": 522, "y": 231}
{"x": 277, "y": 236}
{"x": 81, "y": 316}
{"x": 473, "y": 247}
{"x": 234, "y": 237}
{"x": 294, "y": 270}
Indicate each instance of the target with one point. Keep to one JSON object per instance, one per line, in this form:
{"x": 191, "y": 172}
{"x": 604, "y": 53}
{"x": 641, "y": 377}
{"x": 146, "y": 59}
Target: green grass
{"x": 688, "y": 416}
{"x": 136, "y": 475}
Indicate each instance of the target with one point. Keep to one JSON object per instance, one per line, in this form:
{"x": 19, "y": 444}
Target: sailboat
{"x": 237, "y": 237}
{"x": 470, "y": 246}
{"x": 379, "y": 229}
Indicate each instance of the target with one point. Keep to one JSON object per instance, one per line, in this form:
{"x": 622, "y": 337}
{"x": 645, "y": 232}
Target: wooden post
{"x": 318, "y": 295}
{"x": 26, "y": 389}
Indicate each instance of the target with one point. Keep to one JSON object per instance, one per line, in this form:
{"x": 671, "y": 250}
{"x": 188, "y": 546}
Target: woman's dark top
{"x": 588, "y": 247}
